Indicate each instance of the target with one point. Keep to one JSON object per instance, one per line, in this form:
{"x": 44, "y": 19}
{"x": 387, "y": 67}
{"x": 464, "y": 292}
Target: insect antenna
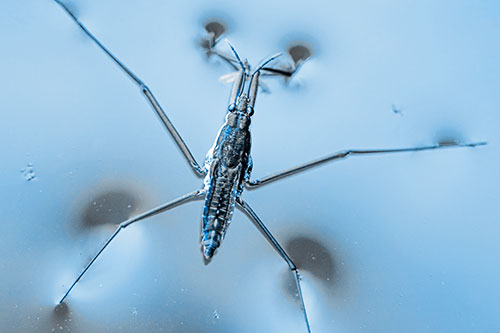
{"x": 236, "y": 55}
{"x": 243, "y": 67}
{"x": 260, "y": 67}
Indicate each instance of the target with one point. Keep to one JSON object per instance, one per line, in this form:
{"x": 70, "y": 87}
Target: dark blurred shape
{"x": 61, "y": 318}
{"x": 110, "y": 207}
{"x": 299, "y": 52}
{"x": 396, "y": 110}
{"x": 448, "y": 142}
{"x": 214, "y": 28}
{"x": 448, "y": 137}
{"x": 311, "y": 256}
{"x": 61, "y": 311}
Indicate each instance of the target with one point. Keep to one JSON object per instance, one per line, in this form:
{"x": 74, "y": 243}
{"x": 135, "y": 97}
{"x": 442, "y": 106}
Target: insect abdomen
{"x": 219, "y": 207}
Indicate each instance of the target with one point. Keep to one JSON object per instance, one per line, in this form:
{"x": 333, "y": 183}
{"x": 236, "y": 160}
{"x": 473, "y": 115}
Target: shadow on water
{"x": 215, "y": 27}
{"x": 299, "y": 52}
{"x": 448, "y": 137}
{"x": 110, "y": 206}
{"x": 60, "y": 319}
{"x": 311, "y": 256}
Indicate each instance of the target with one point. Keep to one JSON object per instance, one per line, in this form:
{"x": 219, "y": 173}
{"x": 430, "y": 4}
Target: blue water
{"x": 402, "y": 243}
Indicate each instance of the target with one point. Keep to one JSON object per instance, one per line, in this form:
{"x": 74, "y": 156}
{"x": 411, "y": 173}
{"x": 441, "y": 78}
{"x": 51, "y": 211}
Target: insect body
{"x": 228, "y": 165}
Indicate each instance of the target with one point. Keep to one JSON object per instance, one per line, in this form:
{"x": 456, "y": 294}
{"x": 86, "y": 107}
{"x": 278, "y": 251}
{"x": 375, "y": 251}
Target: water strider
{"x": 228, "y": 164}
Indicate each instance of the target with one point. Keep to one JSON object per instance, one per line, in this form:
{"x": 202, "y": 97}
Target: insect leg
{"x": 274, "y": 243}
{"x": 299, "y": 53}
{"x": 174, "y": 203}
{"x": 208, "y": 44}
{"x": 345, "y": 154}
{"x": 232, "y": 62}
{"x": 146, "y": 92}
{"x": 276, "y": 71}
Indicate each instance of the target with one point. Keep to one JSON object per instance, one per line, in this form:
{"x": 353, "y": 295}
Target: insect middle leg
{"x": 160, "y": 209}
{"x": 274, "y": 243}
{"x": 345, "y": 154}
{"x": 199, "y": 171}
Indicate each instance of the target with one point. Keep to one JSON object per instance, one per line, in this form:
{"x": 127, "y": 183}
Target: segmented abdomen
{"x": 218, "y": 211}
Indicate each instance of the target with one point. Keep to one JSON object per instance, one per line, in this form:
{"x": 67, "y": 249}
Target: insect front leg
{"x": 162, "y": 116}
{"x": 243, "y": 205}
{"x": 230, "y": 61}
{"x": 196, "y": 195}
{"x": 251, "y": 184}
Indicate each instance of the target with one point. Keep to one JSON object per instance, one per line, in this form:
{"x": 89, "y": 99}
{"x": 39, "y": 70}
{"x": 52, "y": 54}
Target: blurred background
{"x": 400, "y": 243}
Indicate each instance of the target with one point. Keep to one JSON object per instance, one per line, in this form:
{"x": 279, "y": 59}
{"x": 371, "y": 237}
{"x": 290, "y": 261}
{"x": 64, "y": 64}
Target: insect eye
{"x": 250, "y": 110}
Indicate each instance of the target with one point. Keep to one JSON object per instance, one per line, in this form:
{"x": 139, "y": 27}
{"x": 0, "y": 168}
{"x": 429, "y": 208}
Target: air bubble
{"x": 29, "y": 172}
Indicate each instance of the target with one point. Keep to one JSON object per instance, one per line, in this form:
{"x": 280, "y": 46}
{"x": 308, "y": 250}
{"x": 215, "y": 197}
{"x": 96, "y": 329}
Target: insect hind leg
{"x": 243, "y": 205}
{"x": 160, "y": 209}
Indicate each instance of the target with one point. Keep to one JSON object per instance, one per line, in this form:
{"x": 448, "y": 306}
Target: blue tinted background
{"x": 401, "y": 243}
